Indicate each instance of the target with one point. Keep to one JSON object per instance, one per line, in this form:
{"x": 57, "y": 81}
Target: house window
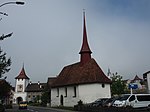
{"x": 103, "y": 85}
{"x": 29, "y": 96}
{"x": 20, "y": 88}
{"x": 75, "y": 92}
{"x": 65, "y": 91}
{"x": 57, "y": 92}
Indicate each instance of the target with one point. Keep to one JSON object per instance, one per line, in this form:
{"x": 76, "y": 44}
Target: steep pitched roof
{"x": 35, "y": 87}
{"x": 76, "y": 74}
{"x": 50, "y": 81}
{"x": 85, "y": 52}
{"x": 136, "y": 78}
{"x": 85, "y": 46}
{"x": 22, "y": 75}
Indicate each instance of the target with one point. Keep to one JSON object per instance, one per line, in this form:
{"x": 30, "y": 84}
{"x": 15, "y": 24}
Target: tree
{"x": 5, "y": 36}
{"x": 45, "y": 98}
{"x": 117, "y": 86}
{"x": 4, "y": 89}
{"x": 4, "y": 62}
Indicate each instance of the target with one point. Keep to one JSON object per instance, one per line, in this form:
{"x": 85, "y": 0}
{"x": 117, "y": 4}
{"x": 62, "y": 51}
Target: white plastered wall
{"x": 148, "y": 82}
{"x": 68, "y": 100}
{"x": 91, "y": 92}
{"x": 86, "y": 92}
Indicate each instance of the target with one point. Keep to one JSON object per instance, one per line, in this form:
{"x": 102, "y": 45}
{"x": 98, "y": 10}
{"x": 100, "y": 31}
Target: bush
{"x": 2, "y": 108}
{"x": 8, "y": 106}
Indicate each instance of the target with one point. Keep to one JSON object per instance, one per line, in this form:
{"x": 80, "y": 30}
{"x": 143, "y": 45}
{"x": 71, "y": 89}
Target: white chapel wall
{"x": 91, "y": 92}
{"x": 86, "y": 92}
{"x": 69, "y": 100}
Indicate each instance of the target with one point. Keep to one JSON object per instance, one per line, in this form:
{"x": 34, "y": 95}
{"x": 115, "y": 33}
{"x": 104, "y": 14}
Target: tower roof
{"x": 85, "y": 46}
{"x": 22, "y": 74}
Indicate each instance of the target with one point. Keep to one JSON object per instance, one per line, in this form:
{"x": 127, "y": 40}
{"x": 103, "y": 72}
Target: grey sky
{"x": 47, "y": 35}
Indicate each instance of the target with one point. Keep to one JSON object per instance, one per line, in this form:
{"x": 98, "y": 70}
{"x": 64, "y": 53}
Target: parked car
{"x": 109, "y": 102}
{"x": 99, "y": 102}
{"x": 133, "y": 100}
{"x": 23, "y": 105}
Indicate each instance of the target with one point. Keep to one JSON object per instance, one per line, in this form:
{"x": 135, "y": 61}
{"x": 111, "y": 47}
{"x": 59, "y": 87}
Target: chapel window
{"x": 57, "y": 92}
{"x": 75, "y": 92}
{"x": 103, "y": 85}
{"x": 65, "y": 91}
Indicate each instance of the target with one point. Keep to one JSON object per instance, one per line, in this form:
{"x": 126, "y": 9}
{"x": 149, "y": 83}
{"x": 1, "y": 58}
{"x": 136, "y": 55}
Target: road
{"x": 36, "y": 109}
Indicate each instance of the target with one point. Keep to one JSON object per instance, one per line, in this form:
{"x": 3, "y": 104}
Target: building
{"x": 146, "y": 77}
{"x": 83, "y": 80}
{"x": 25, "y": 91}
{"x": 22, "y": 81}
{"x": 34, "y": 91}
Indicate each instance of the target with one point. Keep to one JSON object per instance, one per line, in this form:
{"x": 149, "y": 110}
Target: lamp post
{"x": 18, "y": 3}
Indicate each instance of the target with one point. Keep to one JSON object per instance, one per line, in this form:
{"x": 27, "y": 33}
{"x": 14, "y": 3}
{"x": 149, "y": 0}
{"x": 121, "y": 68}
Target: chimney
{"x": 38, "y": 82}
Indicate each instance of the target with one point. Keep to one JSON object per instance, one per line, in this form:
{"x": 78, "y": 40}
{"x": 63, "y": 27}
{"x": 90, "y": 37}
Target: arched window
{"x": 103, "y": 85}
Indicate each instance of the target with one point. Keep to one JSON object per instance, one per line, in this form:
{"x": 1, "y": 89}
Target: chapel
{"x": 83, "y": 80}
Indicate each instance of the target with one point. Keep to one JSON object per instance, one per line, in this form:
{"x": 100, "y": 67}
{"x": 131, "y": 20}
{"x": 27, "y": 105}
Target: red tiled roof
{"x": 35, "y": 87}
{"x": 22, "y": 75}
{"x": 76, "y": 74}
{"x": 136, "y": 78}
{"x": 50, "y": 81}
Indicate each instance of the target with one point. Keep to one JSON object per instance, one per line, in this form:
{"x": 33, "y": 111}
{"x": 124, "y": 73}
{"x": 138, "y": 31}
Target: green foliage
{"x": 117, "y": 86}
{"x": 4, "y": 89}
{"x": 5, "y": 36}
{"x": 4, "y": 62}
{"x": 37, "y": 99}
{"x": 45, "y": 97}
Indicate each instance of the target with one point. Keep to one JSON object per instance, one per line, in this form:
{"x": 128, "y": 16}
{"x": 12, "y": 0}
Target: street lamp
{"x": 18, "y": 3}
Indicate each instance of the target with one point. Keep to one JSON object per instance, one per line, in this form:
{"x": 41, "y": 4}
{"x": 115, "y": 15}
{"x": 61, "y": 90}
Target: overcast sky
{"x": 47, "y": 35}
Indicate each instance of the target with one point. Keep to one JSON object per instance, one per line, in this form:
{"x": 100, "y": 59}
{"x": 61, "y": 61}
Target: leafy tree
{"x": 4, "y": 89}
{"x": 117, "y": 86}
{"x": 5, "y": 36}
{"x": 45, "y": 97}
{"x": 4, "y": 62}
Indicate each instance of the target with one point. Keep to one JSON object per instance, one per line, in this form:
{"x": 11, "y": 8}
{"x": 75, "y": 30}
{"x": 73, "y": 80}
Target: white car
{"x": 133, "y": 100}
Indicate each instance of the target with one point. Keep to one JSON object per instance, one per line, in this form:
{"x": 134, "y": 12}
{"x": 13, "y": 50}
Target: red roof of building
{"x": 136, "y": 78}
{"x": 76, "y": 74}
{"x": 22, "y": 75}
{"x": 36, "y": 87}
{"x": 50, "y": 81}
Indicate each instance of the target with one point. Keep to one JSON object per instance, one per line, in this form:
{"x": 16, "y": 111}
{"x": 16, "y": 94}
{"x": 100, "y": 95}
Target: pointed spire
{"x": 22, "y": 74}
{"x": 85, "y": 49}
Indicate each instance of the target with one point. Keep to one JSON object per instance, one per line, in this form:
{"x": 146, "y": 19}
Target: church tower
{"x": 21, "y": 83}
{"x": 85, "y": 52}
